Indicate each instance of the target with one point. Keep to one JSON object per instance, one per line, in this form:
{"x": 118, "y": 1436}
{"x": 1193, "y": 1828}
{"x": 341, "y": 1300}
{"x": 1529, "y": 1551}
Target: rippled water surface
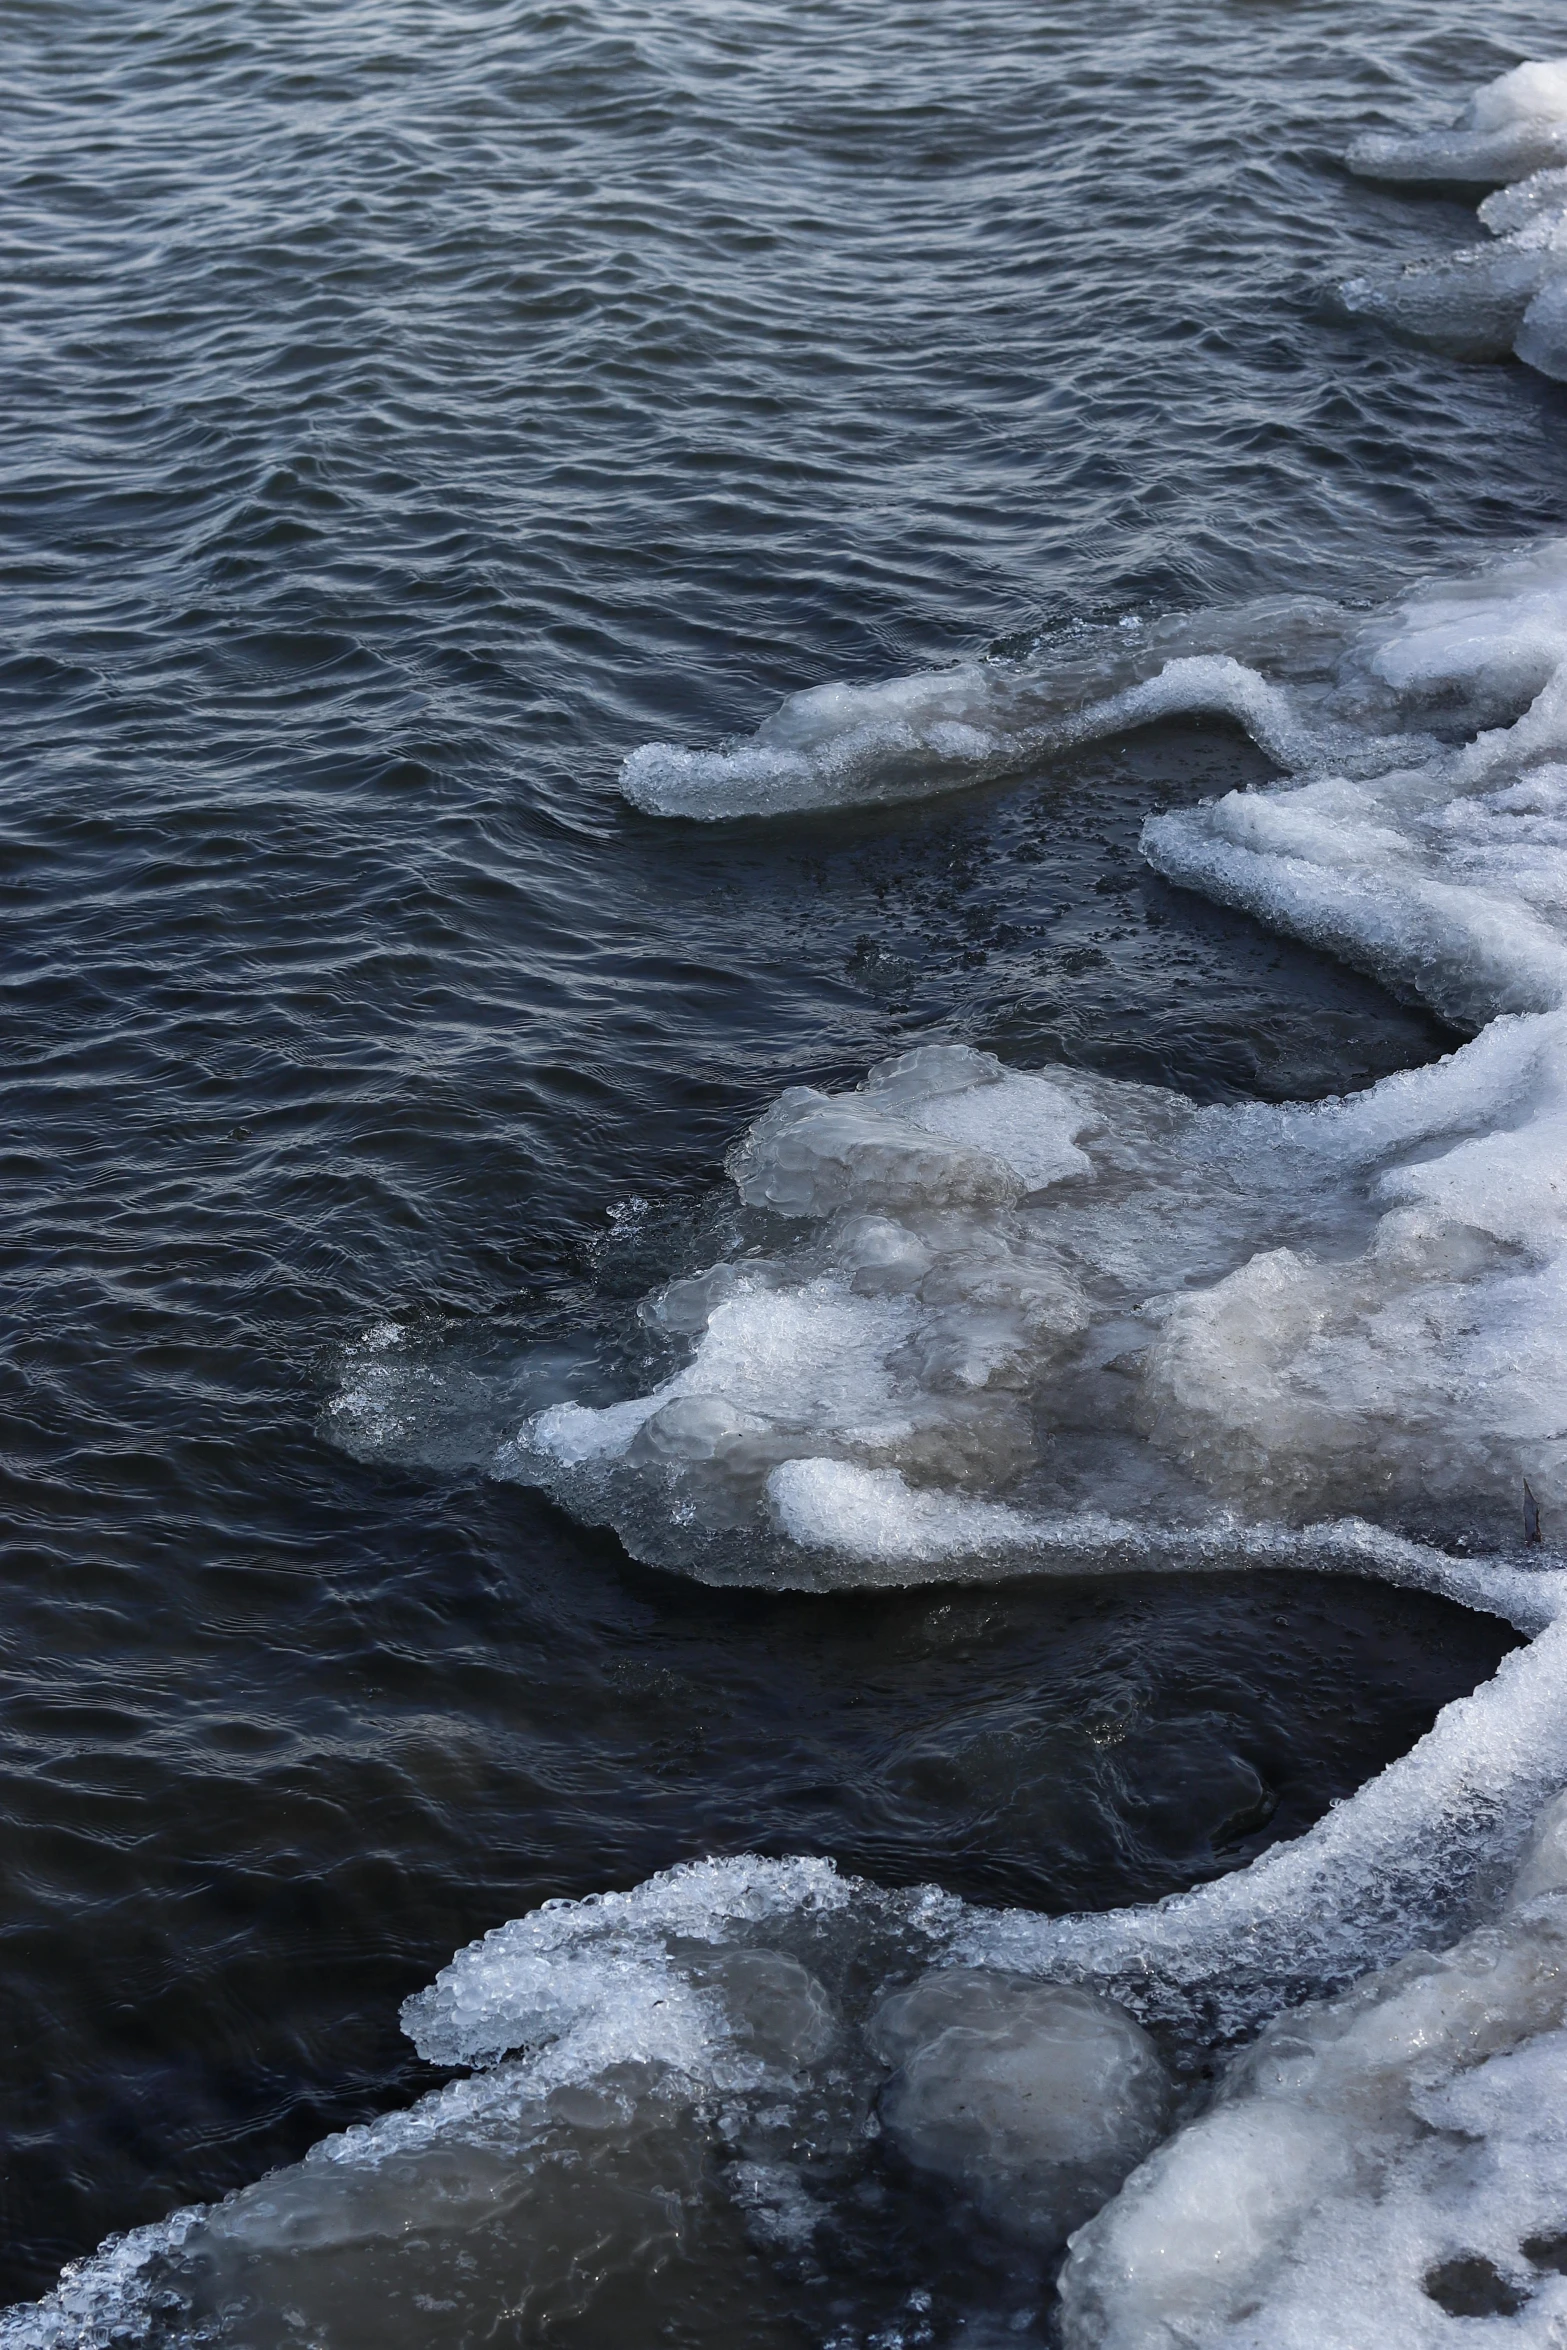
{"x": 410, "y": 409}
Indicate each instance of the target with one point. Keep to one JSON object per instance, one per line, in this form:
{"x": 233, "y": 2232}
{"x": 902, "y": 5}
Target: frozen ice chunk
{"x": 773, "y": 2008}
{"x": 1035, "y": 2099}
{"x": 1499, "y": 637}
{"x": 943, "y": 1127}
{"x": 1512, "y": 127}
{"x": 816, "y": 1154}
{"x": 1179, "y": 2255}
{"x": 1369, "y": 2162}
{"x": 1481, "y": 159}
{"x": 1472, "y": 303}
{"x": 874, "y": 1517}
{"x": 592, "y": 1981}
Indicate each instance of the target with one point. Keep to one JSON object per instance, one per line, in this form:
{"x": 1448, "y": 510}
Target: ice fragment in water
{"x": 1486, "y": 301}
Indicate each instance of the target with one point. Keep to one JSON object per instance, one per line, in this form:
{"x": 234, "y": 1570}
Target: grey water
{"x": 410, "y": 409}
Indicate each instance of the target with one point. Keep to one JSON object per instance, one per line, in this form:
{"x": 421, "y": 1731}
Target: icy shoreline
{"x": 1289, "y": 1332}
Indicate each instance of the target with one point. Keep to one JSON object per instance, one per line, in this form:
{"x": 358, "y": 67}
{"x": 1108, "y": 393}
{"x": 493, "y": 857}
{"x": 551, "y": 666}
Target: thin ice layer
{"x": 840, "y": 745}
{"x": 649, "y": 2063}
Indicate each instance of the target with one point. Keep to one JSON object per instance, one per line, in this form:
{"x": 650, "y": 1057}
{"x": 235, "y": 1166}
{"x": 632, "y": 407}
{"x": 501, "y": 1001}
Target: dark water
{"x": 408, "y": 410}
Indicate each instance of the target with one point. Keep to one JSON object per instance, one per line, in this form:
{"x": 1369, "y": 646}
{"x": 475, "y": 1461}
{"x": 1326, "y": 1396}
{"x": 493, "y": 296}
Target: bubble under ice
{"x": 984, "y": 1320}
{"x": 1035, "y": 2099}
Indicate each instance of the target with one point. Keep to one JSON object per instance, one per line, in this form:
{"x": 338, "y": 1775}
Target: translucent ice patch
{"x": 1035, "y": 2099}
{"x": 665, "y": 2080}
{"x": 1542, "y": 336}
